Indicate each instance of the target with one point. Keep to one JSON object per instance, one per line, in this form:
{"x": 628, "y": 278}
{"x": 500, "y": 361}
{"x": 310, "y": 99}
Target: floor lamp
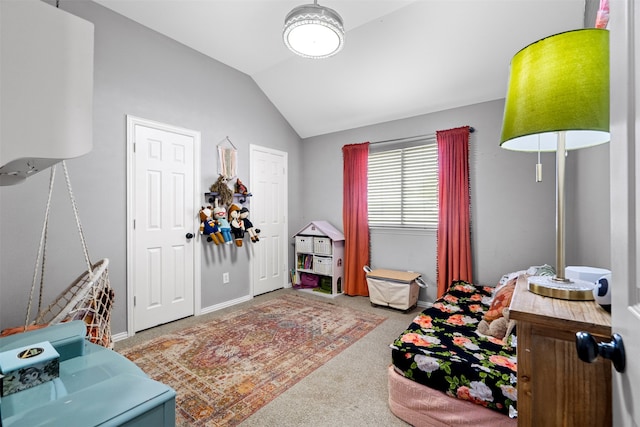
{"x": 558, "y": 100}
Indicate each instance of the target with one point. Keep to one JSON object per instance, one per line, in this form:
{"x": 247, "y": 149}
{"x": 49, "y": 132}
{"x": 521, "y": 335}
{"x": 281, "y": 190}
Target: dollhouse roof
{"x": 321, "y": 228}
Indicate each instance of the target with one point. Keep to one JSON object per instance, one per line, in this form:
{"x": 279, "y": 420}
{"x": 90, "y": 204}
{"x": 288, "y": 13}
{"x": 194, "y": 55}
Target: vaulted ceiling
{"x": 401, "y": 58}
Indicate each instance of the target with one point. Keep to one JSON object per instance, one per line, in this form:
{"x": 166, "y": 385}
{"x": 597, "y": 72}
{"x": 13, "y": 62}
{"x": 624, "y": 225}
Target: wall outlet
{"x": 225, "y": 277}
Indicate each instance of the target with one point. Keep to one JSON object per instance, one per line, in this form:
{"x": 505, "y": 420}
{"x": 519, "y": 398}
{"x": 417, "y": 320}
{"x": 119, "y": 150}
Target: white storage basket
{"x": 395, "y": 289}
{"x": 322, "y": 245}
{"x": 304, "y": 244}
{"x": 322, "y": 265}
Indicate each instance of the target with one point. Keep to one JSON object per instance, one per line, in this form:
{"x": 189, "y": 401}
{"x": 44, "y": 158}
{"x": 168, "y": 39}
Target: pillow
{"x": 510, "y": 334}
{"x": 501, "y": 300}
{"x": 507, "y": 277}
{"x": 545, "y": 270}
{"x": 19, "y": 329}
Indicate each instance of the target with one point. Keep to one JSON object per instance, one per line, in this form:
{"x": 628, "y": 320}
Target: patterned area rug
{"x": 226, "y": 369}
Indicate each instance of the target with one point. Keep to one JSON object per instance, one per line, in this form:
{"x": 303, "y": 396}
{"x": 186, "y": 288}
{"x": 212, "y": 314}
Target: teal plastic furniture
{"x": 96, "y": 387}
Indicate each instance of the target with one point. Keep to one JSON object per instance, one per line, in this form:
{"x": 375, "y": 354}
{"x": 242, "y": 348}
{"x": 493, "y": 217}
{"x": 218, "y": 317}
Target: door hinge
{"x": 134, "y": 224}
{"x": 134, "y": 147}
{"x": 134, "y": 301}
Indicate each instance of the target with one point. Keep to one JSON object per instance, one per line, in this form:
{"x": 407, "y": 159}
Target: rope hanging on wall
{"x": 89, "y": 298}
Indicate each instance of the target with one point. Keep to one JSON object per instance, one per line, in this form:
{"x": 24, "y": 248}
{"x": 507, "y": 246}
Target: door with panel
{"x": 162, "y": 261}
{"x": 269, "y": 214}
{"x": 624, "y": 164}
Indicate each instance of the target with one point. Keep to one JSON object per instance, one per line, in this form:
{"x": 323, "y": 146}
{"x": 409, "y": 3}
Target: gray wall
{"x": 142, "y": 73}
{"x": 588, "y": 207}
{"x": 513, "y": 217}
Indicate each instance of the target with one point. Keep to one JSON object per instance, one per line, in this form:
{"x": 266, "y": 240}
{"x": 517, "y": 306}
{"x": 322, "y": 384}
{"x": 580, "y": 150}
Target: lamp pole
{"x": 561, "y": 155}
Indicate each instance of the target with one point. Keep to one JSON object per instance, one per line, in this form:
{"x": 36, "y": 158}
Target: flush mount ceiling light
{"x": 313, "y": 31}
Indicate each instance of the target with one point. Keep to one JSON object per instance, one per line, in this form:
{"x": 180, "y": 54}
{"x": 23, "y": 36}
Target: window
{"x": 403, "y": 185}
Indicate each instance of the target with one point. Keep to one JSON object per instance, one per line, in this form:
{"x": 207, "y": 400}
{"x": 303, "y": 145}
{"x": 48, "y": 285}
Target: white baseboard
{"x": 225, "y": 304}
{"x": 119, "y": 337}
{"x": 123, "y": 335}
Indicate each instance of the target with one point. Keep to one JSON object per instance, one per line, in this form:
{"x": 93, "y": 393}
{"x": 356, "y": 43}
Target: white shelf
{"x": 319, "y": 250}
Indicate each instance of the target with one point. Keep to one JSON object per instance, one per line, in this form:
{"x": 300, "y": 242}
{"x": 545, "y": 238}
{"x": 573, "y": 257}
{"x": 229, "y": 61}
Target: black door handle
{"x": 189, "y": 235}
{"x": 589, "y": 349}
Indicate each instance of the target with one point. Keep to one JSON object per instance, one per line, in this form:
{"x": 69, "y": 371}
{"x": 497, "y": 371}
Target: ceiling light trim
{"x": 327, "y": 23}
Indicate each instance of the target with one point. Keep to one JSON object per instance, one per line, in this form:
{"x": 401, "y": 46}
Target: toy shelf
{"x": 319, "y": 252}
{"x": 211, "y": 196}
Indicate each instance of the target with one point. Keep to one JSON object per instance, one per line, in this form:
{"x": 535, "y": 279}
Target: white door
{"x": 625, "y": 209}
{"x": 161, "y": 264}
{"x": 268, "y": 177}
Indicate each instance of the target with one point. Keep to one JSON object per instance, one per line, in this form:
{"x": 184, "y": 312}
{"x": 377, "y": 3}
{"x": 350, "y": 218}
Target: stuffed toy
{"x": 237, "y": 226}
{"x": 248, "y": 225}
{"x": 220, "y": 218}
{"x": 501, "y": 299}
{"x": 497, "y": 328}
{"x": 224, "y": 192}
{"x": 241, "y": 188}
{"x": 209, "y": 227}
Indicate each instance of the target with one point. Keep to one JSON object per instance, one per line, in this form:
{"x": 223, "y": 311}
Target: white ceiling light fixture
{"x": 313, "y": 31}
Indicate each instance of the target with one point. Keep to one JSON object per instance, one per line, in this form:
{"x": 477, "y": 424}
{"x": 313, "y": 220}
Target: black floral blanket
{"x": 442, "y": 350}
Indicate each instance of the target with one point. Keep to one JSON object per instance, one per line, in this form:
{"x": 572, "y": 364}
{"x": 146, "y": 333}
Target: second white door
{"x": 269, "y": 214}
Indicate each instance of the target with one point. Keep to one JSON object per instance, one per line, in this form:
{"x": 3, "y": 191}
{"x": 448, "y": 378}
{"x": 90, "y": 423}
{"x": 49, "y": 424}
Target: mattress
{"x": 419, "y": 405}
{"x": 442, "y": 350}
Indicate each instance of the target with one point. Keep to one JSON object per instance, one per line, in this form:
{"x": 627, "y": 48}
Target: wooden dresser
{"x": 556, "y": 388}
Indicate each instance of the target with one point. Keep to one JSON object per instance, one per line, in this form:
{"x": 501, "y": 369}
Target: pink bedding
{"x": 419, "y": 405}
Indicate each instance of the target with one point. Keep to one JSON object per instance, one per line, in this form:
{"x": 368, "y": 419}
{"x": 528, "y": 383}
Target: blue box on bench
{"x": 67, "y": 338}
{"x": 25, "y": 367}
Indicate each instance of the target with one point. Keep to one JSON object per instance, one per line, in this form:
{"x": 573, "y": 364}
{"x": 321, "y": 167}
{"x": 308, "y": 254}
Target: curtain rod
{"x": 409, "y": 138}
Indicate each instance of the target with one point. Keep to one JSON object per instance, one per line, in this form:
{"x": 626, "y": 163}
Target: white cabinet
{"x": 319, "y": 257}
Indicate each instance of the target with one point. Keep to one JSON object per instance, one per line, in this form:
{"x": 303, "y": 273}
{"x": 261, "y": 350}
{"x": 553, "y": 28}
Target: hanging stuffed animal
{"x": 237, "y": 226}
{"x": 248, "y": 225}
{"x": 220, "y": 217}
{"x": 209, "y": 227}
{"x": 241, "y": 188}
{"x": 224, "y": 192}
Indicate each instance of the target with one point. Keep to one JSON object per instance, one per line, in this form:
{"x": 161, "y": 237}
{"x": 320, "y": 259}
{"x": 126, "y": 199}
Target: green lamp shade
{"x": 559, "y": 83}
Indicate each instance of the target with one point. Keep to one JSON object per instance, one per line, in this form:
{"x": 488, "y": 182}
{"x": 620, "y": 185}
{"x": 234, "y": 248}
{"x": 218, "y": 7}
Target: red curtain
{"x": 355, "y": 218}
{"x": 454, "y": 221}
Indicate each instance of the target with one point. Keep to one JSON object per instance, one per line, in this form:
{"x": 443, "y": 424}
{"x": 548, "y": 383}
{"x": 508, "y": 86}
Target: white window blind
{"x": 403, "y": 186}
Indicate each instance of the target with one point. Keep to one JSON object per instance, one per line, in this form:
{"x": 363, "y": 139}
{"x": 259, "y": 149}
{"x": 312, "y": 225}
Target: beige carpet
{"x": 349, "y": 389}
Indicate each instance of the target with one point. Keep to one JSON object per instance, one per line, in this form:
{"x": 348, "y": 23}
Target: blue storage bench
{"x": 96, "y": 387}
